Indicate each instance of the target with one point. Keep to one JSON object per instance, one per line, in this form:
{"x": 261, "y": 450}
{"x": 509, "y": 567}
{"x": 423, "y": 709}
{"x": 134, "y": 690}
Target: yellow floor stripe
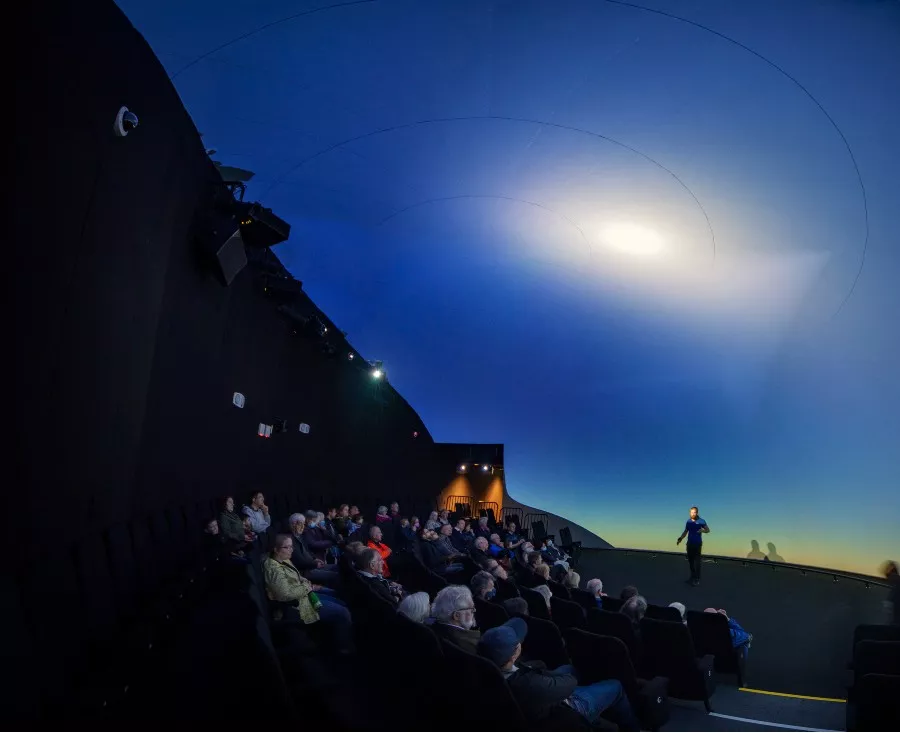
{"x": 787, "y": 694}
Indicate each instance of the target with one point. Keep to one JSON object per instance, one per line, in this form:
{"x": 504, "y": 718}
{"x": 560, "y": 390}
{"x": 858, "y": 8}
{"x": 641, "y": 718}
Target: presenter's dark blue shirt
{"x": 693, "y": 529}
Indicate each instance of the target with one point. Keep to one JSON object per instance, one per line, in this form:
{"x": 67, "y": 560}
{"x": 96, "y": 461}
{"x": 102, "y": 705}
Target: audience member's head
{"x": 414, "y": 521}
{"x": 483, "y": 585}
{"x": 680, "y": 608}
{"x": 344, "y": 510}
{"x": 246, "y": 521}
{"x": 297, "y": 523}
{"x": 445, "y": 515}
{"x": 503, "y": 644}
{"x": 416, "y": 607}
{"x": 331, "y": 513}
{"x": 404, "y": 522}
{"x": 395, "y": 507}
{"x": 496, "y": 569}
{"x": 482, "y": 522}
{"x": 212, "y": 526}
{"x": 257, "y": 499}
{"x": 369, "y": 561}
{"x": 228, "y": 503}
{"x": 511, "y": 527}
{"x": 283, "y": 547}
{"x": 354, "y": 510}
{"x": 454, "y": 605}
{"x": 446, "y": 530}
{"x": 357, "y": 518}
{"x": 629, "y": 591}
{"x": 352, "y": 549}
{"x": 716, "y": 610}
{"x": 382, "y": 510}
{"x": 533, "y": 559}
{"x": 572, "y": 579}
{"x": 546, "y": 592}
{"x": 320, "y": 519}
{"x": 433, "y": 517}
{"x": 375, "y": 534}
{"x": 595, "y": 587}
{"x": 495, "y": 540}
{"x": 311, "y": 518}
{"x": 635, "y": 608}
{"x": 481, "y": 543}
{"x": 889, "y": 569}
{"x": 528, "y": 549}
{"x": 461, "y": 525}
{"x": 542, "y": 571}
{"x": 516, "y": 606}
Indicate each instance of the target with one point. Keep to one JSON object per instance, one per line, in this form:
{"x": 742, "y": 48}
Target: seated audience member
{"x": 258, "y": 513}
{"x": 416, "y": 607}
{"x": 595, "y": 588}
{"x": 496, "y": 547}
{"x": 435, "y": 557}
{"x": 629, "y": 591}
{"x": 572, "y": 580}
{"x": 496, "y": 569}
{"x": 395, "y": 510}
{"x": 445, "y": 550}
{"x": 369, "y": 565}
{"x": 681, "y": 609}
{"x": 546, "y": 592}
{"x": 354, "y": 510}
{"x": 433, "y": 522}
{"x": 214, "y": 544}
{"x": 635, "y": 608}
{"x": 482, "y": 584}
{"x": 382, "y": 515}
{"x": 512, "y": 539}
{"x": 382, "y": 549}
{"x": 355, "y": 523}
{"x": 305, "y": 561}
{"x": 287, "y": 587}
{"x": 347, "y": 562}
{"x": 231, "y": 524}
{"x": 553, "y": 555}
{"x": 516, "y": 606}
{"x": 453, "y": 611}
{"x": 542, "y": 571}
{"x": 415, "y": 524}
{"x": 740, "y": 639}
{"x": 443, "y": 518}
{"x": 539, "y": 690}
{"x": 479, "y": 551}
{"x": 318, "y": 539}
{"x": 891, "y": 572}
{"x": 482, "y": 530}
{"x": 249, "y": 534}
{"x": 458, "y": 537}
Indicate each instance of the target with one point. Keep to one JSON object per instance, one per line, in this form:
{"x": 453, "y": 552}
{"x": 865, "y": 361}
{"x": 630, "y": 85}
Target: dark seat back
{"x": 559, "y": 590}
{"x": 711, "y": 635}
{"x": 544, "y": 642}
{"x": 537, "y": 605}
{"x": 598, "y": 658}
{"x": 488, "y": 615}
{"x": 583, "y": 598}
{"x": 538, "y": 532}
{"x": 876, "y": 657}
{"x": 668, "y": 651}
{"x": 567, "y": 614}
{"x": 663, "y": 613}
{"x": 505, "y": 589}
{"x": 608, "y": 623}
{"x": 612, "y": 604}
{"x": 876, "y": 706}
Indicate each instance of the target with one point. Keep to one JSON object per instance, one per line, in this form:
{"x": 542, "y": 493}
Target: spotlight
{"x": 377, "y": 374}
{"x": 462, "y": 468}
{"x": 485, "y": 467}
{"x": 415, "y": 433}
{"x": 351, "y": 356}
{"x": 377, "y": 369}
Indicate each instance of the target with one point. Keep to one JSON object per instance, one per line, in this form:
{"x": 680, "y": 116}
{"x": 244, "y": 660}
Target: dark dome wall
{"x": 125, "y": 351}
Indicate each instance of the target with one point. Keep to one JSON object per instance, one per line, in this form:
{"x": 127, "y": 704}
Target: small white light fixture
{"x": 485, "y": 467}
{"x": 351, "y": 356}
{"x": 237, "y": 399}
{"x": 264, "y": 431}
{"x": 377, "y": 373}
{"x": 304, "y": 428}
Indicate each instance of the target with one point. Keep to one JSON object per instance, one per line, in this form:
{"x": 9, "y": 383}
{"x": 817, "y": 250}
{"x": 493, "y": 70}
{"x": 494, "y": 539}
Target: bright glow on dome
{"x": 632, "y": 239}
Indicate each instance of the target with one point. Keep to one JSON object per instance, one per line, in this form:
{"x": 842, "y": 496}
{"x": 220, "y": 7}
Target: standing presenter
{"x": 694, "y": 529}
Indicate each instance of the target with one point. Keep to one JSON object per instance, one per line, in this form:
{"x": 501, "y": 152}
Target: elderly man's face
{"x": 495, "y": 538}
{"x": 377, "y": 565}
{"x": 375, "y": 534}
{"x": 446, "y": 530}
{"x": 481, "y": 543}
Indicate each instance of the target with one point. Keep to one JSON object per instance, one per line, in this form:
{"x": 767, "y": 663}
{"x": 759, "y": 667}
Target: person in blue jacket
{"x": 740, "y": 639}
{"x": 694, "y": 529}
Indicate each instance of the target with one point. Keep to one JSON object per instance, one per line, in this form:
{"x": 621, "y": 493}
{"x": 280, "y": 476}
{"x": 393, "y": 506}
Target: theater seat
{"x": 488, "y": 615}
{"x": 544, "y": 642}
{"x": 664, "y": 613}
{"x": 607, "y": 623}
{"x": 877, "y": 704}
{"x": 583, "y": 598}
{"x": 537, "y": 605}
{"x": 567, "y": 614}
{"x": 667, "y": 650}
{"x": 711, "y": 635}
{"x": 599, "y": 658}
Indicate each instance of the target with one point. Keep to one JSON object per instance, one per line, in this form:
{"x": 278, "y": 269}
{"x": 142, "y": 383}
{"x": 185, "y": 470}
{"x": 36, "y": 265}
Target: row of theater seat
{"x": 873, "y": 694}
{"x": 105, "y": 607}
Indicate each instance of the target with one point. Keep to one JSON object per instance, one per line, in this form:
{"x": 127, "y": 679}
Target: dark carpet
{"x": 802, "y": 625}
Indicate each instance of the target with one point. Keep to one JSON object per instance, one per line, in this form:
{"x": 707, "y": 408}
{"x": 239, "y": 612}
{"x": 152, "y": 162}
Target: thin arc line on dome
{"x": 633, "y": 6}
{"x": 266, "y": 26}
{"x": 565, "y": 218}
{"x": 281, "y": 178}
{"x": 809, "y": 94}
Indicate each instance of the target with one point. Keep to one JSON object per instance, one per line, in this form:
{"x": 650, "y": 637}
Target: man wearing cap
{"x": 538, "y": 690}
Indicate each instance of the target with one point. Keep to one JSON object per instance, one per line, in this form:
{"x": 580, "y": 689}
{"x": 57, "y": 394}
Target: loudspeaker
{"x": 230, "y": 258}
{"x": 260, "y": 227}
{"x": 217, "y": 235}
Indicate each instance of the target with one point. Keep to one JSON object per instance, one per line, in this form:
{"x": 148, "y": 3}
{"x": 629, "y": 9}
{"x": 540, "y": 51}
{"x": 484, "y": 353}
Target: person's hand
{"x": 316, "y": 588}
{"x": 264, "y": 508}
{"x": 678, "y": 541}
{"x": 320, "y": 563}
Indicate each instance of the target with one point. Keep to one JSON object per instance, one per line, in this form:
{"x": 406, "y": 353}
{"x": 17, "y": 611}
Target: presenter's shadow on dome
{"x": 757, "y": 554}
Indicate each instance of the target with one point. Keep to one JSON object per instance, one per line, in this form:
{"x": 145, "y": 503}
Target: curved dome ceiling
{"x": 623, "y": 244}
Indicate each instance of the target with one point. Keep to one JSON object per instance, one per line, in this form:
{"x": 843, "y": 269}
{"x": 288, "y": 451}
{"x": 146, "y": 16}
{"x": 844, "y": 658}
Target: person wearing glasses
{"x": 453, "y": 612}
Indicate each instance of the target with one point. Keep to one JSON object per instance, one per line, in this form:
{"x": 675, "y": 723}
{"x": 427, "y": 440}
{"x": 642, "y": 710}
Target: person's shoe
{"x": 695, "y": 582}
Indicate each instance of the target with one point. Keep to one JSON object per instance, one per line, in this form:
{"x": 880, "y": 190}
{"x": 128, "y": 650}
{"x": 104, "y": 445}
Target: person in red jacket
{"x": 382, "y": 549}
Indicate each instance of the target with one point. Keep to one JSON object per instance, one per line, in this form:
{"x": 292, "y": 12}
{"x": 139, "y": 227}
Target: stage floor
{"x": 802, "y": 625}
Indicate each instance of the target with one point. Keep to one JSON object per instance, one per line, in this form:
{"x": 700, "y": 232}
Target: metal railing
{"x": 868, "y": 580}
{"x": 452, "y": 500}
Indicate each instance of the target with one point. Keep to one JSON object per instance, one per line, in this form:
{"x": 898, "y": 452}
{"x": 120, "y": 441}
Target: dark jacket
{"x": 460, "y": 540}
{"x": 483, "y": 532}
{"x": 380, "y": 587}
{"x": 231, "y": 524}
{"x": 479, "y": 556}
{"x": 318, "y": 541}
{"x": 431, "y": 556}
{"x": 302, "y": 558}
{"x": 465, "y": 640}
{"x": 538, "y": 690}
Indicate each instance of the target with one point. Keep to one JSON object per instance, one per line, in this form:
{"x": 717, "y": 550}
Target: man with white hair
{"x": 306, "y": 562}
{"x": 369, "y": 566}
{"x": 482, "y": 530}
{"x": 479, "y": 551}
{"x": 453, "y": 611}
{"x": 416, "y": 607}
{"x": 681, "y": 609}
{"x": 595, "y": 588}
